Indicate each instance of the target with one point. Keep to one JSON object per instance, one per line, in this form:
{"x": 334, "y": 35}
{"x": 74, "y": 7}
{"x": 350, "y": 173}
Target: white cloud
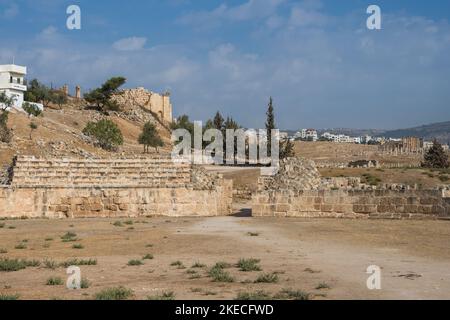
{"x": 130, "y": 44}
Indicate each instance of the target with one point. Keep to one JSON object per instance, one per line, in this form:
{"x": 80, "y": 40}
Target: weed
{"x": 289, "y": 294}
{"x": 118, "y": 224}
{"x": 118, "y": 293}
{"x": 54, "y": 281}
{"x": 219, "y": 275}
{"x": 323, "y": 285}
{"x": 267, "y": 278}
{"x": 84, "y": 284}
{"x": 167, "y": 295}
{"x": 6, "y": 297}
{"x": 50, "y": 264}
{"x": 198, "y": 265}
{"x": 258, "y": 295}
{"x": 249, "y": 265}
{"x": 21, "y": 246}
{"x": 135, "y": 262}
{"x": 147, "y": 257}
{"x": 76, "y": 262}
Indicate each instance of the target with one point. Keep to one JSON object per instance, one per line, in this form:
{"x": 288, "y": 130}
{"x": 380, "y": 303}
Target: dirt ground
{"x": 414, "y": 256}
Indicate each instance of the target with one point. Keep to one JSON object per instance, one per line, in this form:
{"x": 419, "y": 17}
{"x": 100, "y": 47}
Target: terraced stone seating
{"x": 149, "y": 172}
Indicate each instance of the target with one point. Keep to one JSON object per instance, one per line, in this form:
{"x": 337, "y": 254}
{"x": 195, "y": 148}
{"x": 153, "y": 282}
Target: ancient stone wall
{"x": 408, "y": 204}
{"x": 298, "y": 191}
{"x": 57, "y": 188}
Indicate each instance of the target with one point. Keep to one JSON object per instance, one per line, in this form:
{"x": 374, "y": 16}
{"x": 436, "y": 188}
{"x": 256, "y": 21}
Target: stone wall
{"x": 58, "y": 188}
{"x": 298, "y": 191}
{"x": 391, "y": 204}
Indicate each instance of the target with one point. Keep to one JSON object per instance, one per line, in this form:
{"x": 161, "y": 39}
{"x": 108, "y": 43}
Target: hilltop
{"x": 440, "y": 131}
{"x": 59, "y": 132}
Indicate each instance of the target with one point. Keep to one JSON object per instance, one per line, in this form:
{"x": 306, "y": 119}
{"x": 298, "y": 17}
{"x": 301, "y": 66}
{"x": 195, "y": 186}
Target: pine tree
{"x": 436, "y": 157}
{"x": 218, "y": 121}
{"x": 270, "y": 125}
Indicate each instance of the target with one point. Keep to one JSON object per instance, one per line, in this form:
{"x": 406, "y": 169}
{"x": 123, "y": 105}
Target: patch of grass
{"x": 190, "y": 271}
{"x": 85, "y": 283}
{"x": 9, "y": 297}
{"x": 21, "y": 246}
{"x": 219, "y": 275}
{"x": 48, "y": 239}
{"x": 367, "y": 178}
{"x": 289, "y": 294}
{"x": 50, "y": 264}
{"x": 258, "y": 295}
{"x": 130, "y": 229}
{"x": 253, "y": 234}
{"x": 248, "y": 265}
{"x": 222, "y": 265}
{"x": 195, "y": 276}
{"x": 69, "y": 237}
{"x": 2, "y": 225}
{"x": 166, "y": 295}
{"x": 198, "y": 265}
{"x": 76, "y": 262}
{"x": 148, "y": 256}
{"x": 10, "y": 265}
{"x": 209, "y": 293}
{"x": 323, "y": 285}
{"x": 149, "y": 245}
{"x": 11, "y": 227}
{"x": 78, "y": 246}
{"x": 135, "y": 262}
{"x": 267, "y": 278}
{"x": 129, "y": 222}
{"x": 117, "y": 293}
{"x": 178, "y": 264}
{"x": 55, "y": 281}
{"x": 118, "y": 224}
{"x": 309, "y": 270}
{"x": 3, "y": 251}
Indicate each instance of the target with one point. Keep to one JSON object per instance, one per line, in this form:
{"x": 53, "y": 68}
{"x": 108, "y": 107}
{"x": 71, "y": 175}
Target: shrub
{"x": 222, "y": 265}
{"x": 147, "y": 257}
{"x": 2, "y": 225}
{"x": 258, "y": 295}
{"x": 167, "y": 295}
{"x": 198, "y": 265}
{"x": 3, "y": 251}
{"x": 101, "y": 97}
{"x": 106, "y": 133}
{"x": 54, "y": 281}
{"x": 118, "y": 224}
{"x": 267, "y": 278}
{"x": 219, "y": 275}
{"x": 135, "y": 263}
{"x": 177, "y": 263}
{"x": 323, "y": 285}
{"x": 6, "y": 297}
{"x": 31, "y": 109}
{"x": 84, "y": 283}
{"x": 289, "y": 294}
{"x": 50, "y": 264}
{"x": 9, "y": 265}
{"x": 77, "y": 246}
{"x": 21, "y": 246}
{"x": 249, "y": 265}
{"x": 76, "y": 262}
{"x": 69, "y": 236}
{"x": 118, "y": 293}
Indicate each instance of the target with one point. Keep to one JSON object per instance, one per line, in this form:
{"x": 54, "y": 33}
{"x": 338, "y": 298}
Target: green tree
{"x": 183, "y": 122}
{"x": 59, "y": 98}
{"x": 270, "y": 125}
{"x": 31, "y": 109}
{"x": 101, "y": 97}
{"x": 39, "y": 93}
{"x": 286, "y": 149}
{"x": 33, "y": 126}
{"x": 106, "y": 133}
{"x": 436, "y": 157}
{"x": 5, "y": 103}
{"x": 218, "y": 121}
{"x": 150, "y": 137}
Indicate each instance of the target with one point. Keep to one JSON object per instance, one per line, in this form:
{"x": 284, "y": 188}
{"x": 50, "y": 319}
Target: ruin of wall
{"x": 298, "y": 195}
{"x": 73, "y": 188}
{"x": 158, "y": 104}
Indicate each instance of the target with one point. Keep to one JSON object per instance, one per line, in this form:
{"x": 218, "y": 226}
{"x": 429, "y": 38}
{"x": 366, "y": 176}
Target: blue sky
{"x": 323, "y": 67}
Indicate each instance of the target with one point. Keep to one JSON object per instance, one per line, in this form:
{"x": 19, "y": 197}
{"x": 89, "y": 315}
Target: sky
{"x": 317, "y": 59}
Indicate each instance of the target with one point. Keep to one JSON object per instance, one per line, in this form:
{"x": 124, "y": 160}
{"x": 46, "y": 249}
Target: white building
{"x": 13, "y": 84}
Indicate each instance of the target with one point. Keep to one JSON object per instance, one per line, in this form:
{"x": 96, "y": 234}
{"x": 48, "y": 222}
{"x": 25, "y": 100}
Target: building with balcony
{"x": 14, "y": 85}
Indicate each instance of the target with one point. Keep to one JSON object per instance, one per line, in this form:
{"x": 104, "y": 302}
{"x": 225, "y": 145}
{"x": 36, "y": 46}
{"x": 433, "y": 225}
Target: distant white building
{"x": 14, "y": 85}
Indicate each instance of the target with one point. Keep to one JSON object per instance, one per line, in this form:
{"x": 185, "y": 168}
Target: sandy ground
{"x": 414, "y": 256}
